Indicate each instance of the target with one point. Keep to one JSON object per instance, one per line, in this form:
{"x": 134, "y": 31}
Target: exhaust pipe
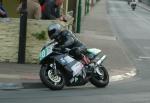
{"x": 101, "y": 60}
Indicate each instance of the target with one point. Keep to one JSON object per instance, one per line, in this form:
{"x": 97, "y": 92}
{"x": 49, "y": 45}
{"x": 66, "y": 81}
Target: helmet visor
{"x": 51, "y": 33}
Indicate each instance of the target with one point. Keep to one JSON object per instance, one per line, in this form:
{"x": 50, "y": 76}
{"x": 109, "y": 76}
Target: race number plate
{"x": 48, "y": 50}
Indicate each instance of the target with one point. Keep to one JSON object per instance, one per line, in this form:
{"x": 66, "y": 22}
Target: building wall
{"x": 9, "y": 40}
{"x": 9, "y": 34}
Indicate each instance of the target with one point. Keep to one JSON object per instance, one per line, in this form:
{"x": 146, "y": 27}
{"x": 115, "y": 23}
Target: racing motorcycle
{"x": 133, "y": 4}
{"x": 59, "y": 69}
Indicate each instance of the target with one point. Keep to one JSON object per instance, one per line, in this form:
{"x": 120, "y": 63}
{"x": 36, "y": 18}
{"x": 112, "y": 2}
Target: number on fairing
{"x": 45, "y": 52}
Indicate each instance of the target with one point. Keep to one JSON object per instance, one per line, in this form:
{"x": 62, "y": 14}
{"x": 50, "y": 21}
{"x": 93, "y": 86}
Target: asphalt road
{"x": 132, "y": 31}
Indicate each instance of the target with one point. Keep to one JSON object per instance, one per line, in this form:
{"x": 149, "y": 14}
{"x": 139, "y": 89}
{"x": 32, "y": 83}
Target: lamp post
{"x": 79, "y": 16}
{"x": 88, "y": 6}
{"x": 22, "y": 32}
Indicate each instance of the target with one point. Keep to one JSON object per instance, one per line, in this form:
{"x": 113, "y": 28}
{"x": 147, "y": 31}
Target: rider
{"x": 133, "y": 2}
{"x": 66, "y": 39}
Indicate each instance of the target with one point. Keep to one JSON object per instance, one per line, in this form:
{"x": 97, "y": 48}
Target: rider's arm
{"x": 68, "y": 42}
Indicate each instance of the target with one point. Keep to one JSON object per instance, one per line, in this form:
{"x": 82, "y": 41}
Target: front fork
{"x": 53, "y": 66}
{"x": 97, "y": 70}
{"x": 98, "y": 65}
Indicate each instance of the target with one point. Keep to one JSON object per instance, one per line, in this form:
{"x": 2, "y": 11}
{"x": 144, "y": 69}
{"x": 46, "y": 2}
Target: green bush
{"x": 40, "y": 35}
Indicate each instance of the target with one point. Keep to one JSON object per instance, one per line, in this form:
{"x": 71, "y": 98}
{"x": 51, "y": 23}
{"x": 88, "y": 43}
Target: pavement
{"x": 144, "y": 6}
{"x": 98, "y": 27}
{"x": 96, "y": 31}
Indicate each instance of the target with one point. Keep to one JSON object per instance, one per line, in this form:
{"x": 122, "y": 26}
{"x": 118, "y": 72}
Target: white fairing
{"x": 68, "y": 59}
{"x": 94, "y": 51}
{"x": 76, "y": 68}
{"x": 101, "y": 60}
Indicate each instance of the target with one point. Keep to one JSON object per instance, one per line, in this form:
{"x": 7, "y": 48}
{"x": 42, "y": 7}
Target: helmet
{"x": 54, "y": 30}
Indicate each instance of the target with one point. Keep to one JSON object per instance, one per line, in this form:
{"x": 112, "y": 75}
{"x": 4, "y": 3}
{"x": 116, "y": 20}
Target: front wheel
{"x": 100, "y": 78}
{"x": 54, "y": 81}
{"x": 133, "y": 6}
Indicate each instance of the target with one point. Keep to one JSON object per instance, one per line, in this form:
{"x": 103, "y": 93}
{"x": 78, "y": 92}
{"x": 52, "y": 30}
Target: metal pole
{"x": 79, "y": 16}
{"x": 65, "y": 6}
{"x": 88, "y": 6}
{"x": 85, "y": 11}
{"x": 22, "y": 33}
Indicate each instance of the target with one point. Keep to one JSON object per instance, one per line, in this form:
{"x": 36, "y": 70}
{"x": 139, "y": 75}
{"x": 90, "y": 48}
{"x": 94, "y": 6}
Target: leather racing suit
{"x": 66, "y": 39}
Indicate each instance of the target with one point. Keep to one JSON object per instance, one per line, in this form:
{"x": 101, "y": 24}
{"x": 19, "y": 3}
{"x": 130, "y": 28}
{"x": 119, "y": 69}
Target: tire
{"x": 47, "y": 80}
{"x": 133, "y": 7}
{"x": 98, "y": 80}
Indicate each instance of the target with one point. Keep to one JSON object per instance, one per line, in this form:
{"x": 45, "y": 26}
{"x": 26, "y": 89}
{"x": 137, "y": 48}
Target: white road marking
{"x": 144, "y": 57}
{"x": 148, "y": 48}
{"x": 123, "y": 76}
{"x": 138, "y": 59}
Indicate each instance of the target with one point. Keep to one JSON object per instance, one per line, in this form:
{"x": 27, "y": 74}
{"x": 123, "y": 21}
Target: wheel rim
{"x": 100, "y": 74}
{"x": 53, "y": 78}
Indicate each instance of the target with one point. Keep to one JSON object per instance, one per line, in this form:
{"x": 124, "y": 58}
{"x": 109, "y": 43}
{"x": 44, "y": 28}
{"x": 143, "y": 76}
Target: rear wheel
{"x": 100, "y": 78}
{"x": 54, "y": 81}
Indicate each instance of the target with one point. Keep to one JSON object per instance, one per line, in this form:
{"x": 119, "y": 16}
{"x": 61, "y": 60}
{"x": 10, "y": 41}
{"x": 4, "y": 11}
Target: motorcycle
{"x": 59, "y": 69}
{"x": 133, "y": 4}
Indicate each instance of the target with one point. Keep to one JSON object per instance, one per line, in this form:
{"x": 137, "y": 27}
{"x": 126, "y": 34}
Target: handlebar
{"x": 65, "y": 50}
{"x": 56, "y": 49}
